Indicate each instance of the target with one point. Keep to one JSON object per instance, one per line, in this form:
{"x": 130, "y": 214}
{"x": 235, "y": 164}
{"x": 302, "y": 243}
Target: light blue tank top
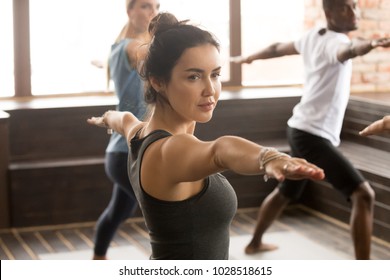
{"x": 129, "y": 88}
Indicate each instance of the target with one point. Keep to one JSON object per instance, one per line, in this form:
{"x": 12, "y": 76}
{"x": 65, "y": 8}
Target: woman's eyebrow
{"x": 201, "y": 70}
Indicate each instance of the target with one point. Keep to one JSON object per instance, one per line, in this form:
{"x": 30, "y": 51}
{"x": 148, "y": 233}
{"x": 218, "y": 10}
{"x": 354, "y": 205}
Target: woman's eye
{"x": 216, "y": 75}
{"x": 193, "y": 77}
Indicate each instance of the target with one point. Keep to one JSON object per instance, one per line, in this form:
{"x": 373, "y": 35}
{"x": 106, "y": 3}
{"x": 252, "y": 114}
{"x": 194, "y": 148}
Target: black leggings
{"x": 122, "y": 204}
{"x": 338, "y": 169}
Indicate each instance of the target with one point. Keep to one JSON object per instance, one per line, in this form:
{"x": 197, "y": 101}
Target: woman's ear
{"x": 157, "y": 84}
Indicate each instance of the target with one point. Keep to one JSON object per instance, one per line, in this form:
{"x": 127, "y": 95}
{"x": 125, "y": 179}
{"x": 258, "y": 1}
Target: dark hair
{"x": 328, "y": 4}
{"x": 170, "y": 38}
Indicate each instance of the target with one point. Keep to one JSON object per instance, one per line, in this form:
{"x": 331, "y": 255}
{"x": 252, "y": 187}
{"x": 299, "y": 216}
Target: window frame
{"x": 22, "y": 61}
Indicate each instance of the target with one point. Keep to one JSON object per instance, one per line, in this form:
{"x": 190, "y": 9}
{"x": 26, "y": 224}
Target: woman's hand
{"x": 98, "y": 121}
{"x": 292, "y": 168}
{"x": 120, "y": 122}
{"x": 101, "y": 122}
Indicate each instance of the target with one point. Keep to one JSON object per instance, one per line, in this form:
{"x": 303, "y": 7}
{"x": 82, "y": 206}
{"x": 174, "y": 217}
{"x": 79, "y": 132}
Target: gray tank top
{"x": 195, "y": 228}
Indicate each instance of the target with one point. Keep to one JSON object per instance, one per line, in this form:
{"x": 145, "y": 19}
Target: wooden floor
{"x": 28, "y": 243}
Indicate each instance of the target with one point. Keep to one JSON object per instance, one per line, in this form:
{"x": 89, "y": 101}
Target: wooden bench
{"x": 56, "y": 162}
{"x": 58, "y": 192}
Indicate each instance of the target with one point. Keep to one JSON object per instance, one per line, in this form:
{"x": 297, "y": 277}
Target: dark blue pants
{"x": 121, "y": 206}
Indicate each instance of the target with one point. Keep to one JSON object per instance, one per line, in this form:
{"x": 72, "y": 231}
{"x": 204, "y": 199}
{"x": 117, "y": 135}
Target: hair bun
{"x": 162, "y": 22}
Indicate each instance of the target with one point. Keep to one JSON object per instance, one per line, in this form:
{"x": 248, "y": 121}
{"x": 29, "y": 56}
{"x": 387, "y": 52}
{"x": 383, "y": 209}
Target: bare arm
{"x": 125, "y": 123}
{"x": 191, "y": 159}
{"x": 184, "y": 160}
{"x": 377, "y": 127}
{"x": 359, "y": 47}
{"x": 272, "y": 51}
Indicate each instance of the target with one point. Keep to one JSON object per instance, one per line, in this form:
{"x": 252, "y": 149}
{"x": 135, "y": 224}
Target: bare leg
{"x": 362, "y": 220}
{"x": 269, "y": 210}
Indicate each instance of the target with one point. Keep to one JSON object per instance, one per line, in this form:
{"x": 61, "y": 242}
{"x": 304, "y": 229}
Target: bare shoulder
{"x": 182, "y": 140}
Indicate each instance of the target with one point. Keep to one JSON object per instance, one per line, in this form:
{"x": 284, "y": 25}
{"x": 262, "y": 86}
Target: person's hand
{"x": 294, "y": 169}
{"x": 377, "y": 127}
{"x": 98, "y": 121}
{"x": 240, "y": 59}
{"x": 382, "y": 42}
{"x": 101, "y": 121}
{"x": 98, "y": 63}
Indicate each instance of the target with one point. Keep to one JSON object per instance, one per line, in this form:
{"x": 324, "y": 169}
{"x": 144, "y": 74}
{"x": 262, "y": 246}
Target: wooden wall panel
{"x": 58, "y": 133}
{"x": 253, "y": 119}
{"x": 4, "y": 161}
{"x": 322, "y": 197}
{"x": 358, "y": 115}
{"x": 58, "y": 195}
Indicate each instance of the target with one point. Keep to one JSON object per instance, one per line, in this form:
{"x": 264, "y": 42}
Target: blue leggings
{"x": 122, "y": 204}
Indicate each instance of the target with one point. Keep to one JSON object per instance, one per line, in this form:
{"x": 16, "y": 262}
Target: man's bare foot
{"x": 252, "y": 249}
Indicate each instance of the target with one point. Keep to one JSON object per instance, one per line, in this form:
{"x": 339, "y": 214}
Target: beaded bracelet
{"x": 264, "y": 160}
{"x": 263, "y": 155}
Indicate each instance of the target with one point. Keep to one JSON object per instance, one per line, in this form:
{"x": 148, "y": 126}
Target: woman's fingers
{"x": 98, "y": 121}
{"x": 296, "y": 169}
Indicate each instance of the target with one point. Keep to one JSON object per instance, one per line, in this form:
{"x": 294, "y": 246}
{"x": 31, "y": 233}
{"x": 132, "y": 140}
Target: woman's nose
{"x": 209, "y": 88}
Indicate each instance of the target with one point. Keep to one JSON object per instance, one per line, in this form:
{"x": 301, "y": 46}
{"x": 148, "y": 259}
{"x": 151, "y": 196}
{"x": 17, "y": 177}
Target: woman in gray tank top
{"x": 188, "y": 206}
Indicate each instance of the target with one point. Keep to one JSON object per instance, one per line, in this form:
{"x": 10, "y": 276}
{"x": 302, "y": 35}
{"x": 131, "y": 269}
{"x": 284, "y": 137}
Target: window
{"x": 58, "y": 41}
{"x": 6, "y": 50}
{"x": 263, "y": 23}
{"x": 62, "y": 51}
{"x": 212, "y": 15}
{"x": 65, "y": 37}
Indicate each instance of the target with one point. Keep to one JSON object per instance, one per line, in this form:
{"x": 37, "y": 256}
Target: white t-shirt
{"x": 326, "y": 87}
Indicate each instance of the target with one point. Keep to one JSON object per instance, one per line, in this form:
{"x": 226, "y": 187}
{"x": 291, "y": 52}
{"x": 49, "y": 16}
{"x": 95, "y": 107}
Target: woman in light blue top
{"x": 126, "y": 54}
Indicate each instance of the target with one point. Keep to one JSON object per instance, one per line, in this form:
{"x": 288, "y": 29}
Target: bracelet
{"x": 273, "y": 157}
{"x": 264, "y": 160}
{"x": 263, "y": 155}
{"x": 109, "y": 129}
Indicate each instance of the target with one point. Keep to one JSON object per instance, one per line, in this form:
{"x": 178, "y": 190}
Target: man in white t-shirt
{"x": 314, "y": 129}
